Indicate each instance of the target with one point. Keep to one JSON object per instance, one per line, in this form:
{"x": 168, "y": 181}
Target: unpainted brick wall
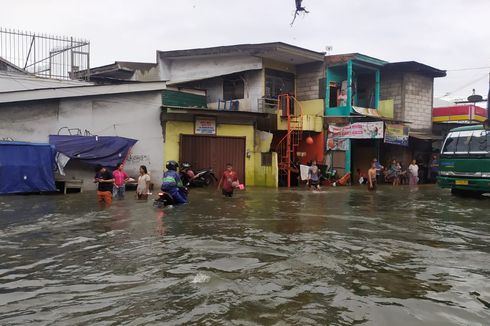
{"x": 307, "y": 80}
{"x": 418, "y": 101}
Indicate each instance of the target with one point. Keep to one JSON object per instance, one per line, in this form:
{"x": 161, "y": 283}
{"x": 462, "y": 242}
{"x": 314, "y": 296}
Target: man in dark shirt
{"x": 105, "y": 185}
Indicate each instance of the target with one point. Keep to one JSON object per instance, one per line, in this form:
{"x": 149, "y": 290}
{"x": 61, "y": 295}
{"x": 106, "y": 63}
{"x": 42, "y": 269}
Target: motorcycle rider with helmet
{"x": 172, "y": 184}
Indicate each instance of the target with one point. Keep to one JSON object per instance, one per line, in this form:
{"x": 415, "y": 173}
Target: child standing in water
{"x": 228, "y": 181}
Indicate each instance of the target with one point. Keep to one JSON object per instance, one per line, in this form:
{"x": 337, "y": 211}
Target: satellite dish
{"x": 475, "y": 98}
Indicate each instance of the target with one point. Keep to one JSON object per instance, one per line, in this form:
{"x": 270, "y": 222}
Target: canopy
{"x": 103, "y": 150}
{"x": 26, "y": 167}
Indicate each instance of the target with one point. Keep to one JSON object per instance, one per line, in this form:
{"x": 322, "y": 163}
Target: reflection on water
{"x": 341, "y": 257}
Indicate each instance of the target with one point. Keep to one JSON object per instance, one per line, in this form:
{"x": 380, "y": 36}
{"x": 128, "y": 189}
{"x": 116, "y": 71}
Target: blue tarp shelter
{"x": 26, "y": 167}
{"x": 103, "y": 150}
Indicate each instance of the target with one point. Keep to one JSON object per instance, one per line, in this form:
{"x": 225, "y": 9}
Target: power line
{"x": 466, "y": 69}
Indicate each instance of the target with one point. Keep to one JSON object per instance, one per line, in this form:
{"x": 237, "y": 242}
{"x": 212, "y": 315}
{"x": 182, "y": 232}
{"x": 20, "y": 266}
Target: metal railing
{"x": 45, "y": 55}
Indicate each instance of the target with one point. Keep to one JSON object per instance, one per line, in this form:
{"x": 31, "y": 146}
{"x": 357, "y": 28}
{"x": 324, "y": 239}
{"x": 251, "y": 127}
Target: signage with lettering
{"x": 205, "y": 126}
{"x": 358, "y": 130}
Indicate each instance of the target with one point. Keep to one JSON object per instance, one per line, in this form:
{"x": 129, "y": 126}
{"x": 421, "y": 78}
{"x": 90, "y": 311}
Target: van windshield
{"x": 467, "y": 142}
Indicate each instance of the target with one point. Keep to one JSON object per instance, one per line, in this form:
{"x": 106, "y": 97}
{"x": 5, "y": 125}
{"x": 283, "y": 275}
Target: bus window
{"x": 463, "y": 145}
{"x": 479, "y": 142}
{"x": 450, "y": 144}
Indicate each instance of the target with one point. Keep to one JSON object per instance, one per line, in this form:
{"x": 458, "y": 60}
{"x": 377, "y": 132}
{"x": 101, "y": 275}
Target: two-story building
{"x": 377, "y": 109}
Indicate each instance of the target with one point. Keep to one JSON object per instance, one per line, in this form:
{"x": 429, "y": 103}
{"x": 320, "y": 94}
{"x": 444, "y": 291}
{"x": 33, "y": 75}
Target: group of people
{"x": 113, "y": 184}
{"x": 396, "y": 175}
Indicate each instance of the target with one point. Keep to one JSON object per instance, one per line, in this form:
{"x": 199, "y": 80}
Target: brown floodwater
{"x": 344, "y": 256}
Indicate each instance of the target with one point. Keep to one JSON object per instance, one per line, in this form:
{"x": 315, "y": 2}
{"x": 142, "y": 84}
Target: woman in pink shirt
{"x": 120, "y": 178}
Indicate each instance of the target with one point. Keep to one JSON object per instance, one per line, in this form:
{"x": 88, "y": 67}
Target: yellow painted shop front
{"x": 211, "y": 139}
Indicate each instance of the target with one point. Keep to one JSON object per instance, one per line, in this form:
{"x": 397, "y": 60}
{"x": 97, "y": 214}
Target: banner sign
{"x": 396, "y": 134}
{"x": 205, "y": 126}
{"x": 337, "y": 144}
{"x": 358, "y": 130}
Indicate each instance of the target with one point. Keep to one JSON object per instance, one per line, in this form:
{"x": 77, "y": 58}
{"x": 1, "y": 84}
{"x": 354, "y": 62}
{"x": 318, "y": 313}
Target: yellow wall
{"x": 172, "y": 138}
{"x": 386, "y": 108}
{"x": 312, "y": 116}
{"x": 172, "y": 146}
{"x": 266, "y": 176}
{"x": 312, "y": 107}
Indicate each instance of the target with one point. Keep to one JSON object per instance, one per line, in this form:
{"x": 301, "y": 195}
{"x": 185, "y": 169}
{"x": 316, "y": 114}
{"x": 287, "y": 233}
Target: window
{"x": 479, "y": 141}
{"x": 450, "y": 144}
{"x": 463, "y": 144}
{"x": 266, "y": 159}
{"x": 233, "y": 88}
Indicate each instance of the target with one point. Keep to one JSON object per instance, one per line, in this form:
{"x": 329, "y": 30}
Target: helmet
{"x": 185, "y": 165}
{"x": 172, "y": 165}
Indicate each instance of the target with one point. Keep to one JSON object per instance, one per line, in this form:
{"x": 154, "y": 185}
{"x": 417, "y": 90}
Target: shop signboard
{"x": 205, "y": 126}
{"x": 358, "y": 130}
{"x": 396, "y": 134}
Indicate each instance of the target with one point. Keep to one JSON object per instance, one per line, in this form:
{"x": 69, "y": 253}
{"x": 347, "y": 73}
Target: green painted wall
{"x": 176, "y": 98}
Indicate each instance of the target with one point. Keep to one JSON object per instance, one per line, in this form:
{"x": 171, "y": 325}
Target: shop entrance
{"x": 363, "y": 152}
{"x": 214, "y": 152}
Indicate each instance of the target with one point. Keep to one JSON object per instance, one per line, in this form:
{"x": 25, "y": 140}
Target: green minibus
{"x": 464, "y": 164}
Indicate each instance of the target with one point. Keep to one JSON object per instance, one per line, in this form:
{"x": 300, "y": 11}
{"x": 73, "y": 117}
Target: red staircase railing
{"x": 290, "y": 109}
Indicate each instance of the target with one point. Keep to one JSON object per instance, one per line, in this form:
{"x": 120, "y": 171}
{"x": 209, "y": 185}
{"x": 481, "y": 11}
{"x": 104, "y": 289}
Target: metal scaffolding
{"x": 44, "y": 55}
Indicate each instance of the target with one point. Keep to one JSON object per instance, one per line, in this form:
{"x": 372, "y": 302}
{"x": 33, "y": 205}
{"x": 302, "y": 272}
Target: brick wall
{"x": 412, "y": 96}
{"x": 307, "y": 81}
{"x": 418, "y": 101}
{"x": 391, "y": 88}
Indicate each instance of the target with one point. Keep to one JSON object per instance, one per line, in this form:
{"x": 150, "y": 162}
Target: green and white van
{"x": 464, "y": 164}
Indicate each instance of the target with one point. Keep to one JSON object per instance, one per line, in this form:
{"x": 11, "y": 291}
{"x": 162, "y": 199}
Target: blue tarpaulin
{"x": 103, "y": 150}
{"x": 26, "y": 167}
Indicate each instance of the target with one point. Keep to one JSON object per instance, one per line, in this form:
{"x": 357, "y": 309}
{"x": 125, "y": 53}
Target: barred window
{"x": 266, "y": 159}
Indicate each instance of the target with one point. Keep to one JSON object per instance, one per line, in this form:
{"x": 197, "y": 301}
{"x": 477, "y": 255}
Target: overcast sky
{"x": 446, "y": 34}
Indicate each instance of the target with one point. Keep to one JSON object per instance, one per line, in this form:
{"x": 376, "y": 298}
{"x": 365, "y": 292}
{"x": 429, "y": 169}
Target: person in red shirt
{"x": 229, "y": 181}
{"x": 120, "y": 178}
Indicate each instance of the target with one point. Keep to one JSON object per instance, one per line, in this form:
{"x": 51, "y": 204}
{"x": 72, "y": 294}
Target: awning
{"x": 424, "y": 136}
{"x": 103, "y": 150}
{"x": 373, "y": 113}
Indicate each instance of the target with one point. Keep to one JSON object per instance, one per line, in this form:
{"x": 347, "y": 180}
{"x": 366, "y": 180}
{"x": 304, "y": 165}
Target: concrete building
{"x": 36, "y": 108}
{"x": 393, "y": 96}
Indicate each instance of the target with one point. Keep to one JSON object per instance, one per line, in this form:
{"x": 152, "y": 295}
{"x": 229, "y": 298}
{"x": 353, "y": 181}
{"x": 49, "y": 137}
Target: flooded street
{"x": 341, "y": 257}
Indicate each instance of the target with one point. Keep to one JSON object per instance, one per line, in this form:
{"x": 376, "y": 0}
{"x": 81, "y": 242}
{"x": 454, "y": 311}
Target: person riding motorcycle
{"x": 172, "y": 184}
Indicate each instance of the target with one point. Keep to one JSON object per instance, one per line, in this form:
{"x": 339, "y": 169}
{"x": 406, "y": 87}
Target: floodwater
{"x": 344, "y": 256}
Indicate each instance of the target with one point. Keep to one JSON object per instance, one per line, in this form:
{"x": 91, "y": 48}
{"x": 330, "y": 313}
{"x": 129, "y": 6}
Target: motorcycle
{"x": 165, "y": 199}
{"x": 202, "y": 178}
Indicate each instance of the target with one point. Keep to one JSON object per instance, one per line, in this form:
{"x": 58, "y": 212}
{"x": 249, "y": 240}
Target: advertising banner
{"x": 358, "y": 130}
{"x": 396, "y": 134}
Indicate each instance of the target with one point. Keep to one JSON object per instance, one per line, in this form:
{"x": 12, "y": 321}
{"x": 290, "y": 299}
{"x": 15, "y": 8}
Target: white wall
{"x": 189, "y": 69}
{"x": 135, "y": 115}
